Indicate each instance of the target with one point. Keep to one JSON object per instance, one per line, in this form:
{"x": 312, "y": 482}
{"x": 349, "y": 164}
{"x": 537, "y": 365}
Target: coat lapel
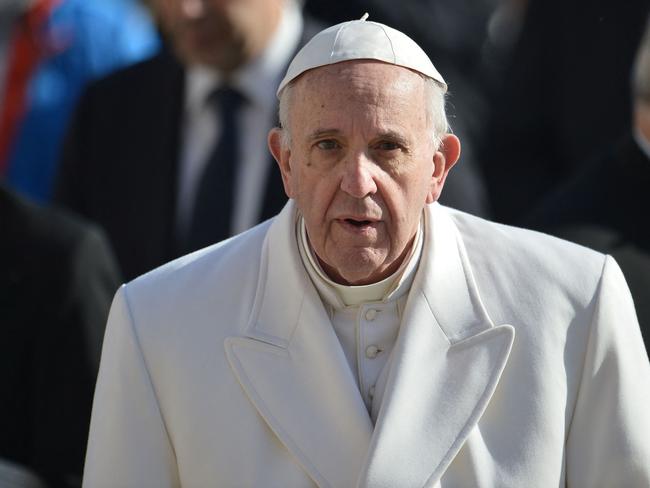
{"x": 293, "y": 369}
{"x": 445, "y": 367}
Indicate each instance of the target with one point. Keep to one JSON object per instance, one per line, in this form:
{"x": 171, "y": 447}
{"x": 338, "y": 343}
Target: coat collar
{"x": 444, "y": 369}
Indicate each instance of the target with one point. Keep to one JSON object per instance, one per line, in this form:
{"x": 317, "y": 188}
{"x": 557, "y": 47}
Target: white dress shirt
{"x": 257, "y": 82}
{"x": 365, "y": 318}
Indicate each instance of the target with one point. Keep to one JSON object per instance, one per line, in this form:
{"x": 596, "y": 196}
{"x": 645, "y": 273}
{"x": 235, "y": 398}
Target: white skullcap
{"x": 361, "y": 39}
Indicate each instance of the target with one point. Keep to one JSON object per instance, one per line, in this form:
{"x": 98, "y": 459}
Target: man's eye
{"x": 327, "y": 144}
{"x": 387, "y": 146}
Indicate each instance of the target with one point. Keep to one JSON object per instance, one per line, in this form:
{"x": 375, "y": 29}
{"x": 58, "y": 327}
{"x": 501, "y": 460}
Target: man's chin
{"x": 358, "y": 268}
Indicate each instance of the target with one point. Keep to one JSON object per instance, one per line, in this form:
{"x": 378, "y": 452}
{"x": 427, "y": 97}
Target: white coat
{"x": 519, "y": 363}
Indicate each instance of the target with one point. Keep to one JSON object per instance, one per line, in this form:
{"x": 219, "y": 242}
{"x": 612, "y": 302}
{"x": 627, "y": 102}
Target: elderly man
{"x": 367, "y": 336}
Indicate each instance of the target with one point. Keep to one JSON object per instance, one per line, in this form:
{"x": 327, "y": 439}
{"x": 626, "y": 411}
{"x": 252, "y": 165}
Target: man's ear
{"x": 443, "y": 160}
{"x": 282, "y": 154}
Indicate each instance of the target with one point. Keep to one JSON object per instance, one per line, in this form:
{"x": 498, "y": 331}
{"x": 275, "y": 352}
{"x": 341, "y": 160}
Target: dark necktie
{"x": 213, "y": 207}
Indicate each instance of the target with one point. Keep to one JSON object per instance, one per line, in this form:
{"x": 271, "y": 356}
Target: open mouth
{"x": 359, "y": 223}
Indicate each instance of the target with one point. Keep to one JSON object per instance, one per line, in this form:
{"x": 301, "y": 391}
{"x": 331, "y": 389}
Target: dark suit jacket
{"x": 564, "y": 100}
{"x": 121, "y": 157}
{"x": 611, "y": 192}
{"x": 606, "y": 207}
{"x": 57, "y": 279}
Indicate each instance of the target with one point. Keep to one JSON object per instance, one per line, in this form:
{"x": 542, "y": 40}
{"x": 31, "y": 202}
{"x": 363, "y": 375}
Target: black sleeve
{"x": 66, "y": 360}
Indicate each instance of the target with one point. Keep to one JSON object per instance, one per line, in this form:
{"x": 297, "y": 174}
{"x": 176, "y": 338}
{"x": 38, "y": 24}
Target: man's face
{"x": 361, "y": 164}
{"x": 220, "y": 33}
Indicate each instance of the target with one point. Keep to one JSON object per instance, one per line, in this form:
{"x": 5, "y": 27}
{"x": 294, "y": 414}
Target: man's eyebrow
{"x": 392, "y": 136}
{"x": 386, "y": 134}
{"x": 319, "y": 133}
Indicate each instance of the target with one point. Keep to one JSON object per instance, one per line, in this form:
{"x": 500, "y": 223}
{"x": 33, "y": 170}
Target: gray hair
{"x": 436, "y": 114}
{"x": 641, "y": 72}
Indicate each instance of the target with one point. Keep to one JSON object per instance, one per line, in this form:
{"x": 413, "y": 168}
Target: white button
{"x": 371, "y": 392}
{"x": 371, "y": 314}
{"x": 372, "y": 351}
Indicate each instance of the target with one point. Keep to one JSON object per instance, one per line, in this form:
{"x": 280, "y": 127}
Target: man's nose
{"x": 192, "y": 9}
{"x": 358, "y": 180}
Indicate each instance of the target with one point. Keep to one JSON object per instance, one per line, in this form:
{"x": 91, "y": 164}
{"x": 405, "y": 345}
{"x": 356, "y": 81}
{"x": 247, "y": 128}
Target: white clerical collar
{"x": 642, "y": 142}
{"x": 339, "y": 296}
{"x": 258, "y": 79}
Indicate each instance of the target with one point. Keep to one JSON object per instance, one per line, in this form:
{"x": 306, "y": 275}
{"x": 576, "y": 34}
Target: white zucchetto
{"x": 361, "y": 39}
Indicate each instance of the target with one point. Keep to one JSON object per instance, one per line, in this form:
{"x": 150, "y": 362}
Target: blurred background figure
{"x": 454, "y": 33}
{"x": 49, "y": 49}
{"x": 57, "y": 279}
{"x": 562, "y": 98}
{"x": 170, "y": 155}
{"x": 57, "y": 273}
{"x": 606, "y": 205}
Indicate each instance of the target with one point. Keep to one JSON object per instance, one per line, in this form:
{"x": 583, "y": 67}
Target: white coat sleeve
{"x": 609, "y": 436}
{"x": 128, "y": 444}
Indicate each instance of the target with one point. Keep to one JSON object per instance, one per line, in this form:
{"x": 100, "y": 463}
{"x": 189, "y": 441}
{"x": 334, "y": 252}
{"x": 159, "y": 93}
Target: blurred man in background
{"x": 563, "y": 99}
{"x": 169, "y": 155}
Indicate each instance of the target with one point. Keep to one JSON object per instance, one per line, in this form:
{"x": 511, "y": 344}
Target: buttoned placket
{"x": 367, "y": 330}
{"x": 377, "y": 325}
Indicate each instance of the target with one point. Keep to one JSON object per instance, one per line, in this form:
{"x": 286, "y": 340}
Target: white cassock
{"x": 519, "y": 363}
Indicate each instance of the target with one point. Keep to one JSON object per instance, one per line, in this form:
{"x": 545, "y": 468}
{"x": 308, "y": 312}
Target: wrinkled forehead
{"x": 371, "y": 93}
